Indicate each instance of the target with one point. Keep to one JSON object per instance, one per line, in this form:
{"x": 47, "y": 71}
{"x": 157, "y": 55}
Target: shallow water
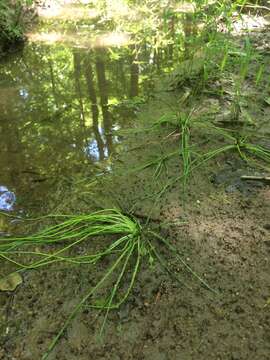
{"x": 60, "y": 100}
{"x": 62, "y": 97}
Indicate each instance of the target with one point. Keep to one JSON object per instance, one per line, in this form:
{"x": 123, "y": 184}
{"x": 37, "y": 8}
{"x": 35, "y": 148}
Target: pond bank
{"x": 132, "y": 156}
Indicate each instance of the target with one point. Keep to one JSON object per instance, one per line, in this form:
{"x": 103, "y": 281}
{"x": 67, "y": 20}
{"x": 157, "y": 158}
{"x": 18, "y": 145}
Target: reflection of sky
{"x": 7, "y": 199}
{"x": 24, "y": 93}
{"x": 92, "y": 150}
{"x": 116, "y": 139}
{"x": 101, "y": 130}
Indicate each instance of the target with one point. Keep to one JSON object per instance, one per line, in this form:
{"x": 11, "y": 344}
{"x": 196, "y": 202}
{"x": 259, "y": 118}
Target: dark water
{"x": 62, "y": 97}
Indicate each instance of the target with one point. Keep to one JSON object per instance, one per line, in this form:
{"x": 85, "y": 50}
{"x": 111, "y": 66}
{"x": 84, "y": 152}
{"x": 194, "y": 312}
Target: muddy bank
{"x": 223, "y": 235}
{"x": 218, "y": 222}
{"x": 226, "y": 240}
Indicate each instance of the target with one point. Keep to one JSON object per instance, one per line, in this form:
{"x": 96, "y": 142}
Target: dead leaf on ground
{"x": 10, "y": 282}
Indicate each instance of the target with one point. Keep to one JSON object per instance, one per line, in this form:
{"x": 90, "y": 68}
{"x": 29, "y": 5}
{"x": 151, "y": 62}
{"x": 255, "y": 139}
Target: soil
{"x": 225, "y": 239}
{"x": 221, "y": 226}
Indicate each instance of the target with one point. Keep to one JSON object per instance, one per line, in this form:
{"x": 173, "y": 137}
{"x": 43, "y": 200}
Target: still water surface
{"x": 62, "y": 97}
{"x": 60, "y": 100}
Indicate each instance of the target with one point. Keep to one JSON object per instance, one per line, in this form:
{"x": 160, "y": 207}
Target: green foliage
{"x": 239, "y": 142}
{"x": 11, "y": 20}
{"x": 74, "y": 230}
{"x": 202, "y": 55}
{"x": 130, "y": 243}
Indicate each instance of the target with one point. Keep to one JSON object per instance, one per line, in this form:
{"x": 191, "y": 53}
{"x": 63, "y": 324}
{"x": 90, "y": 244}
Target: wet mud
{"x": 219, "y": 223}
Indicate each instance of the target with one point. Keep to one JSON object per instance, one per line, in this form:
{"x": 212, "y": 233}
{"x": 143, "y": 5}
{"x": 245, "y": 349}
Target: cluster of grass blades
{"x": 158, "y": 162}
{"x": 71, "y": 232}
{"x": 252, "y": 154}
{"x": 131, "y": 243}
{"x": 191, "y": 156}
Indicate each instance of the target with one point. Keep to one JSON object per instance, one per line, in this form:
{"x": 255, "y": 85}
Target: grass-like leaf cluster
{"x": 129, "y": 245}
{"x": 125, "y": 247}
{"x": 192, "y": 157}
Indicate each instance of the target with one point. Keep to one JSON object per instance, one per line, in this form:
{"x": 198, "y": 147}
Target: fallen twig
{"x": 265, "y": 179}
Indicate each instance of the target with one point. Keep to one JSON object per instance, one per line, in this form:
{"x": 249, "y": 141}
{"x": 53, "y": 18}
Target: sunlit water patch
{"x": 83, "y": 41}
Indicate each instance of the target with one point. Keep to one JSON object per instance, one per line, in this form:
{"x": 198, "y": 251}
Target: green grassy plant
{"x": 234, "y": 142}
{"x": 185, "y": 148}
{"x": 75, "y": 229}
{"x": 130, "y": 244}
